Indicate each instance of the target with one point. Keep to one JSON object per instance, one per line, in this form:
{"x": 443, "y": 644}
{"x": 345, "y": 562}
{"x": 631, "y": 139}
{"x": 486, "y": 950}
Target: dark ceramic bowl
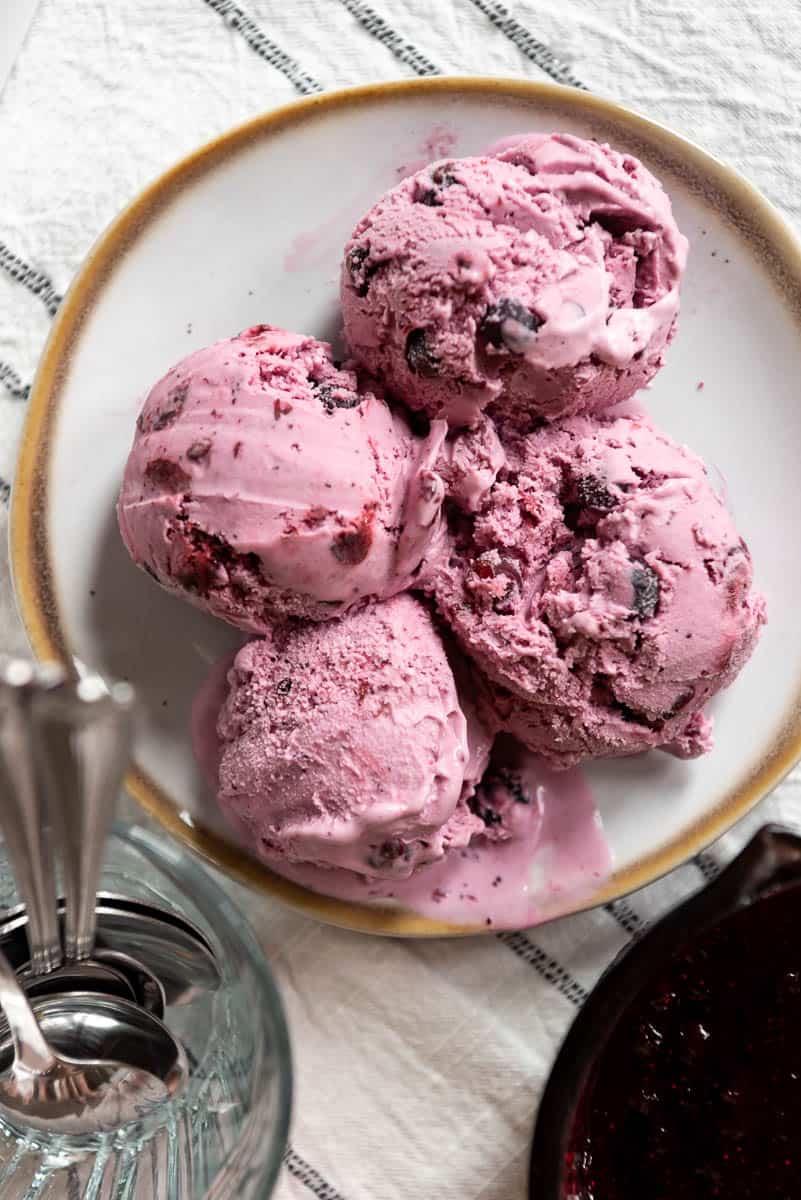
{"x": 769, "y": 865}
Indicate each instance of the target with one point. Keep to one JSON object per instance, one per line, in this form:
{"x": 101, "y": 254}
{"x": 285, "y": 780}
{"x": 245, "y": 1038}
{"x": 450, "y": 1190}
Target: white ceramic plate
{"x": 250, "y": 229}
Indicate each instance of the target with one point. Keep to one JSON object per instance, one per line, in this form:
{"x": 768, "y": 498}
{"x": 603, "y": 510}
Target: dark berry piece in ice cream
{"x": 166, "y": 474}
{"x": 204, "y": 558}
{"x": 419, "y": 423}
{"x": 496, "y": 579}
{"x": 484, "y": 811}
{"x": 592, "y": 492}
{"x": 389, "y": 852}
{"x": 428, "y": 196}
{"x": 502, "y": 323}
{"x": 513, "y": 783}
{"x": 419, "y": 356}
{"x": 392, "y": 849}
{"x": 199, "y": 451}
{"x": 442, "y": 175}
{"x": 315, "y": 516}
{"x": 351, "y": 546}
{"x": 645, "y": 584}
{"x": 333, "y": 398}
{"x": 359, "y": 269}
{"x": 355, "y": 259}
{"x": 171, "y": 411}
{"x": 284, "y": 687}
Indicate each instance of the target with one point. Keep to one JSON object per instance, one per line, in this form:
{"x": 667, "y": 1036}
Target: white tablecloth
{"x": 418, "y": 1065}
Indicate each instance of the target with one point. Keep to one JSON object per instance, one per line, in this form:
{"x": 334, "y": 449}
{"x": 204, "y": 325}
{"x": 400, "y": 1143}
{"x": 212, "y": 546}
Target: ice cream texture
{"x": 263, "y": 481}
{"x": 603, "y": 591}
{"x": 536, "y": 848}
{"x": 346, "y": 744}
{"x": 543, "y": 853}
{"x": 537, "y": 283}
{"x": 521, "y": 571}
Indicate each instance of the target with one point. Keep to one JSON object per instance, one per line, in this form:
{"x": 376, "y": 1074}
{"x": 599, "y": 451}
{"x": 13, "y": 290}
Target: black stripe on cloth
{"x": 536, "y": 51}
{"x": 5, "y": 491}
{"x": 267, "y": 49}
{"x": 707, "y": 865}
{"x": 544, "y": 965}
{"x": 35, "y": 281}
{"x": 307, "y": 1175}
{"x": 17, "y": 390}
{"x": 626, "y": 917}
{"x": 404, "y": 51}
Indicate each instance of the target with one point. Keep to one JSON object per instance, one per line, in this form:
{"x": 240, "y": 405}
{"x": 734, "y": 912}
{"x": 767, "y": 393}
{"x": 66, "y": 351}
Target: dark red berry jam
{"x": 698, "y": 1093}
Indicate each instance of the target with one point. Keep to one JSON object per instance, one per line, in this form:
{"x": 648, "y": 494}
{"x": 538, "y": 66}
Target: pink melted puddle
{"x": 557, "y": 857}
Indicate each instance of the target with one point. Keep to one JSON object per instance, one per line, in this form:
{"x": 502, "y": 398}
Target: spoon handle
{"x": 22, "y": 811}
{"x": 31, "y": 1050}
{"x": 84, "y": 729}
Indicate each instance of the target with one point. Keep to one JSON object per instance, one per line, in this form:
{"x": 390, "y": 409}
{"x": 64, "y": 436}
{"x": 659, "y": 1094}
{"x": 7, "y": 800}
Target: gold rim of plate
{"x": 772, "y": 243}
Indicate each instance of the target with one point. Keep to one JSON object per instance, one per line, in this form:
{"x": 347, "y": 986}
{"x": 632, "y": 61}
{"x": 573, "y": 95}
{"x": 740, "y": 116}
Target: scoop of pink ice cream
{"x": 262, "y": 481}
{"x": 541, "y": 282}
{"x": 602, "y": 589}
{"x": 345, "y": 743}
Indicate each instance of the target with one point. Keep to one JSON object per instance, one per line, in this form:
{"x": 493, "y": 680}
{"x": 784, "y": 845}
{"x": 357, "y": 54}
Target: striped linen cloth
{"x": 418, "y": 1064}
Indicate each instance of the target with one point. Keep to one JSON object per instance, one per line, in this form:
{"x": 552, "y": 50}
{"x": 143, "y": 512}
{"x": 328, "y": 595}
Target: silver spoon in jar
{"x": 82, "y": 1089}
{"x": 83, "y": 730}
{"x": 25, "y": 826}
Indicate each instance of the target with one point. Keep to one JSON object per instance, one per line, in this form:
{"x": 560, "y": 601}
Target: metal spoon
{"x": 83, "y": 728}
{"x": 22, "y": 813}
{"x": 148, "y": 989}
{"x": 168, "y": 945}
{"x": 92, "y": 976}
{"x": 82, "y": 1089}
{"x": 162, "y": 943}
{"x": 149, "y": 944}
{"x": 24, "y": 822}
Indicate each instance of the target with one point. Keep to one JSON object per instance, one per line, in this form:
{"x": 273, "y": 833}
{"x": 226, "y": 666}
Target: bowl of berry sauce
{"x": 681, "y": 1076}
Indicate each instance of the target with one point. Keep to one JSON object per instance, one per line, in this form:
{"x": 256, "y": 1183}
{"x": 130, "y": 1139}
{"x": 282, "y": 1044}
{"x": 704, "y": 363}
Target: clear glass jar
{"x": 224, "y": 1135}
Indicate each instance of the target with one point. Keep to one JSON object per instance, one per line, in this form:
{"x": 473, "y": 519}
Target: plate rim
{"x": 34, "y": 582}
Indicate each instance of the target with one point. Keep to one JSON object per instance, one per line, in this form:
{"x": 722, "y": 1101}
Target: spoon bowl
{"x": 147, "y": 988}
{"x": 111, "y": 1063}
{"x": 163, "y": 958}
{"x": 85, "y": 976}
{"x": 167, "y": 946}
